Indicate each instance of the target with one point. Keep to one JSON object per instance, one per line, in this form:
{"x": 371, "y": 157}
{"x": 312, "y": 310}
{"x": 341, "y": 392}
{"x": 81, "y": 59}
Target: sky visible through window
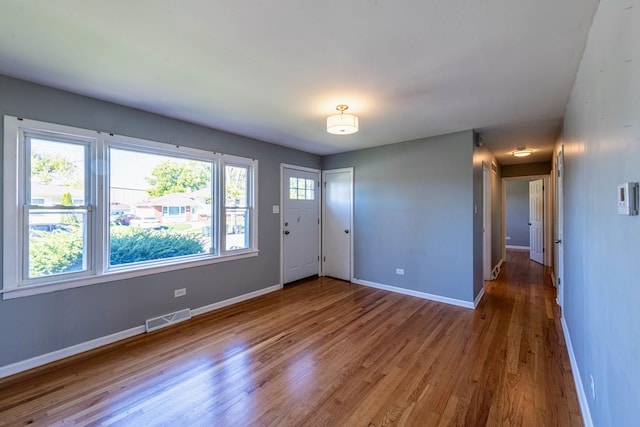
{"x": 134, "y": 167}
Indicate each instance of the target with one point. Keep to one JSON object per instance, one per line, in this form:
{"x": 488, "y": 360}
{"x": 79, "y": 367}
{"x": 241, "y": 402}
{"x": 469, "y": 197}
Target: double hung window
{"x": 83, "y": 207}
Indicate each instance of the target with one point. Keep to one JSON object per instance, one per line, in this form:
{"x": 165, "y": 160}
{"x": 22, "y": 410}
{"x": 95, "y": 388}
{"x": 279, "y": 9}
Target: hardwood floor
{"x": 325, "y": 352}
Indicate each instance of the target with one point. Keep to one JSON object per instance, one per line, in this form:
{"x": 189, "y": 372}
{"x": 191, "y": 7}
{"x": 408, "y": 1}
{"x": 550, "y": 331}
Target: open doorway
{"x": 527, "y": 216}
{"x": 517, "y": 214}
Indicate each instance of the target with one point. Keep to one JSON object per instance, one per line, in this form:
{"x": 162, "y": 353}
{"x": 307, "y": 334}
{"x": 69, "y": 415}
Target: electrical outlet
{"x": 179, "y": 292}
{"x": 400, "y": 271}
{"x": 593, "y": 388}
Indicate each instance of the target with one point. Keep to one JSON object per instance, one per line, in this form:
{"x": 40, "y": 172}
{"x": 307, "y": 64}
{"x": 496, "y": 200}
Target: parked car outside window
{"x": 145, "y": 222}
{"x": 122, "y": 219}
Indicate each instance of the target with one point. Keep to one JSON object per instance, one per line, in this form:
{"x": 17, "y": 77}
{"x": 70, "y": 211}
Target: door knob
{"x": 346, "y": 231}
{"x": 286, "y": 231}
{"x": 559, "y": 241}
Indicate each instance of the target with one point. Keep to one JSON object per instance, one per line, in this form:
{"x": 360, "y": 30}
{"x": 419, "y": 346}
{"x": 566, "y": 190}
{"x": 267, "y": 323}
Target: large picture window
{"x": 159, "y": 204}
{"x": 89, "y": 207}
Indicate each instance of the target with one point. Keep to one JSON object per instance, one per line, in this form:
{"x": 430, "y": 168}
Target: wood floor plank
{"x": 324, "y": 352}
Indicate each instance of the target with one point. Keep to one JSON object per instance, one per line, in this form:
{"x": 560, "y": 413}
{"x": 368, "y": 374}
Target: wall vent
{"x": 168, "y": 319}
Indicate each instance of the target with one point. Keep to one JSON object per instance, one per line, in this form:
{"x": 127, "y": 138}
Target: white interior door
{"x": 337, "y": 235}
{"x": 536, "y": 219}
{"x": 560, "y": 226}
{"x": 300, "y": 223}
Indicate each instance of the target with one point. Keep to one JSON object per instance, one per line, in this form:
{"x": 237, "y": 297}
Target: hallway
{"x": 535, "y": 384}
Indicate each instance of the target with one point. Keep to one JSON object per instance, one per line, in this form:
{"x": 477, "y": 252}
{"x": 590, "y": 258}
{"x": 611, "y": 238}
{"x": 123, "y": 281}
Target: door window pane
{"x": 301, "y": 189}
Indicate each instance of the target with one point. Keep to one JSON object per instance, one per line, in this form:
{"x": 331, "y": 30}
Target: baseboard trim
{"x": 234, "y": 300}
{"x": 34, "y": 362}
{"x": 478, "y": 298}
{"x": 527, "y": 248}
{"x": 424, "y": 295}
{"x": 577, "y": 379}
{"x": 54, "y": 356}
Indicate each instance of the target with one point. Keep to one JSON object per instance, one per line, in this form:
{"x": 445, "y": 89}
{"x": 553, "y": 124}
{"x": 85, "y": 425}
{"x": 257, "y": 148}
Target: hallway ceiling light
{"x": 342, "y": 124}
{"x": 522, "y": 152}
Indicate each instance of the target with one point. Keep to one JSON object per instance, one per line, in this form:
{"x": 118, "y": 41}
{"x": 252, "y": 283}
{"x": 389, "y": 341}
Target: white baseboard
{"x": 54, "y": 356}
{"x": 424, "y": 295}
{"x": 478, "y": 298}
{"x": 518, "y": 247}
{"x": 577, "y": 379}
{"x": 43, "y": 359}
{"x": 234, "y": 300}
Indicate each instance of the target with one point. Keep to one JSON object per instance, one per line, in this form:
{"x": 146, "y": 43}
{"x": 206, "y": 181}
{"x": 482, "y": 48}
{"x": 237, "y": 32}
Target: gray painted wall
{"x": 40, "y": 324}
{"x": 601, "y": 136}
{"x": 413, "y": 209}
{"x": 517, "y": 213}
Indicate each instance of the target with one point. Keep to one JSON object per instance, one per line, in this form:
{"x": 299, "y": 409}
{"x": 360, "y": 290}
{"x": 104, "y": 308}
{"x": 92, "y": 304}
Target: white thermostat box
{"x": 628, "y": 198}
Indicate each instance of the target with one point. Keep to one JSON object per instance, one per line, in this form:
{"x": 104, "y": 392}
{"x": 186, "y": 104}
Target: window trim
{"x": 14, "y": 284}
{"x": 88, "y": 140}
{"x": 252, "y": 199}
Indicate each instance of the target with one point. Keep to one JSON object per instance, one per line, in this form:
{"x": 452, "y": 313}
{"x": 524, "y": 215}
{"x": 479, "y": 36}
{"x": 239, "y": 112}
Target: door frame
{"x": 558, "y": 249}
{"x": 547, "y": 223}
{"x": 350, "y": 170}
{"x": 532, "y": 213}
{"x": 281, "y": 209}
{"x": 486, "y": 222}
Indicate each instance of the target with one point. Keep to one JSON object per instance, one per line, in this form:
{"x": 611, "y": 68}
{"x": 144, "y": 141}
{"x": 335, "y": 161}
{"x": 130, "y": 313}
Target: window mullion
{"x": 100, "y": 184}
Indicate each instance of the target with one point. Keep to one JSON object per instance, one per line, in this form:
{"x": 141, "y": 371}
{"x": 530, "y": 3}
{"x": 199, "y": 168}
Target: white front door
{"x": 560, "y": 226}
{"x": 536, "y": 218}
{"x": 337, "y": 232}
{"x": 300, "y": 223}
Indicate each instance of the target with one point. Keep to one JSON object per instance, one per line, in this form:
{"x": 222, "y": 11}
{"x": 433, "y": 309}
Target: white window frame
{"x": 15, "y": 285}
{"x": 252, "y": 198}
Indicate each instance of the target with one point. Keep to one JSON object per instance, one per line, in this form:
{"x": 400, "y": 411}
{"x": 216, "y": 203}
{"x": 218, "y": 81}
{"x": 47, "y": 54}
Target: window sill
{"x": 42, "y": 288}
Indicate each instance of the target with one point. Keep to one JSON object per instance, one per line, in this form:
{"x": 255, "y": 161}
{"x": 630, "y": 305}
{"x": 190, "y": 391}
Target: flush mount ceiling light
{"x": 522, "y": 152}
{"x": 342, "y": 124}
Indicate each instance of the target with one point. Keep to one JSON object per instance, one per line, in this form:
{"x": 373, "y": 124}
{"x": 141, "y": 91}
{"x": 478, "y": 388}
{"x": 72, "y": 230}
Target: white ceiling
{"x": 273, "y": 70}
